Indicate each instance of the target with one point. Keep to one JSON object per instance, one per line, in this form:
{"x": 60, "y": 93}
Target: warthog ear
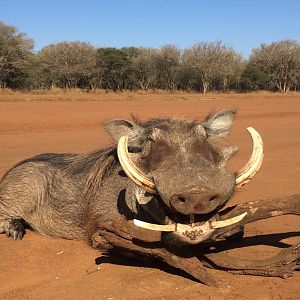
{"x": 119, "y": 128}
{"x": 218, "y": 125}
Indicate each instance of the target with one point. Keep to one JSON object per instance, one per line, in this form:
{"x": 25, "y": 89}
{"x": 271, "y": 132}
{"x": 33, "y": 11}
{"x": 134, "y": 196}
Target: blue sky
{"x": 242, "y": 24}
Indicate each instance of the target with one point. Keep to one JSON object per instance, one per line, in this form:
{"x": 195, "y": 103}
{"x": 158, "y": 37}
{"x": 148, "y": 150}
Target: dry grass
{"x": 56, "y": 94}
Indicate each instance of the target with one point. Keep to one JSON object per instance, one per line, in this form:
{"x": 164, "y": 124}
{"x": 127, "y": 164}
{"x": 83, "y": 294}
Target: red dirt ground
{"x": 41, "y": 267}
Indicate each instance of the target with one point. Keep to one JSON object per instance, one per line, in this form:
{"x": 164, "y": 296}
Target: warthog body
{"x": 179, "y": 185}
{"x": 70, "y": 195}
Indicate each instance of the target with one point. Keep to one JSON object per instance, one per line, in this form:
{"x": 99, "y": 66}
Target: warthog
{"x": 166, "y": 174}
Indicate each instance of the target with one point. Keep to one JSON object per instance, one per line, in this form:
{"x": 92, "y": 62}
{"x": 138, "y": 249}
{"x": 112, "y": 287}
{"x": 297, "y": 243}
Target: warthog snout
{"x": 195, "y": 200}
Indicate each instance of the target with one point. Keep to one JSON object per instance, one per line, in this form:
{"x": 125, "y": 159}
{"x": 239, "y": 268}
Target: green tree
{"x": 114, "y": 68}
{"x": 253, "y": 78}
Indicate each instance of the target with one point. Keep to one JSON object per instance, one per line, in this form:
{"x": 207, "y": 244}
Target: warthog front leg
{"x": 13, "y": 228}
{"x": 124, "y": 235}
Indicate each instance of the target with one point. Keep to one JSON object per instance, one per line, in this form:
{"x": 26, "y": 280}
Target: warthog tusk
{"x": 156, "y": 227}
{"x": 131, "y": 169}
{"x": 183, "y": 228}
{"x": 255, "y": 161}
{"x": 231, "y": 221}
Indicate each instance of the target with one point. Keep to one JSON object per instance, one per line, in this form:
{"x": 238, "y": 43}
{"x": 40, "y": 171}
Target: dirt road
{"x": 40, "y": 267}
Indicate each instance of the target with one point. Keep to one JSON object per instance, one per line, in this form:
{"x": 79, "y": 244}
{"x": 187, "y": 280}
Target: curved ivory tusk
{"x": 130, "y": 168}
{"x": 231, "y": 221}
{"x": 255, "y": 161}
{"x": 156, "y": 227}
{"x": 183, "y": 228}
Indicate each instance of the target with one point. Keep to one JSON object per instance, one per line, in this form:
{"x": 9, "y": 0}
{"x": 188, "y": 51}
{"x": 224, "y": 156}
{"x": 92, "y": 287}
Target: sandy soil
{"x": 41, "y": 267}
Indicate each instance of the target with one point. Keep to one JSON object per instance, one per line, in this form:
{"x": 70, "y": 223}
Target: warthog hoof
{"x": 13, "y": 228}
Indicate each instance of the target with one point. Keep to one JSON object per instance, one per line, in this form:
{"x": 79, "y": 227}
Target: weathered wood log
{"x": 125, "y": 236}
{"x": 281, "y": 265}
{"x": 120, "y": 235}
{"x": 259, "y": 210}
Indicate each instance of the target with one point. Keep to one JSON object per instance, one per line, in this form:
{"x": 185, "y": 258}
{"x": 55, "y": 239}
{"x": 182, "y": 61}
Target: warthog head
{"x": 179, "y": 165}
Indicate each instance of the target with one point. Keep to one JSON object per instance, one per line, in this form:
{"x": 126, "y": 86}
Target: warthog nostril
{"x": 213, "y": 198}
{"x": 181, "y": 199}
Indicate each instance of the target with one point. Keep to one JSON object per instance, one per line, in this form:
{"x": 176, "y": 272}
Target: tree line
{"x": 206, "y": 66}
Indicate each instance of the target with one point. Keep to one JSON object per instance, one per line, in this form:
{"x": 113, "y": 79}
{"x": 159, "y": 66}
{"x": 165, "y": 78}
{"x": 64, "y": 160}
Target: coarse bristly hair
{"x": 162, "y": 123}
{"x": 95, "y": 165}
